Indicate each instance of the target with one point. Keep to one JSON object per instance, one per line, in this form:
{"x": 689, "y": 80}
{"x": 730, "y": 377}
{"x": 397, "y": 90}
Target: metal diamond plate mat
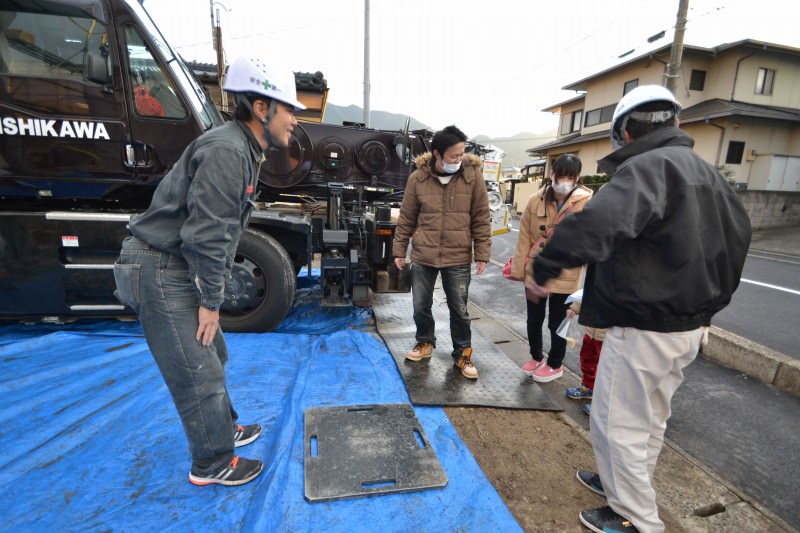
{"x": 435, "y": 381}
{"x": 364, "y": 450}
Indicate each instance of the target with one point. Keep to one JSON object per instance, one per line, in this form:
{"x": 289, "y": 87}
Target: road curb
{"x": 753, "y": 359}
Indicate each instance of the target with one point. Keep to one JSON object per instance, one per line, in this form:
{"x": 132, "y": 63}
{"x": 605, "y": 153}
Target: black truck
{"x": 83, "y": 144}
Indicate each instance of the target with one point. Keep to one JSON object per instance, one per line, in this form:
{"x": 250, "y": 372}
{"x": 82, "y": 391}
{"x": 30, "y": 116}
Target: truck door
{"x": 168, "y": 109}
{"x": 62, "y": 110}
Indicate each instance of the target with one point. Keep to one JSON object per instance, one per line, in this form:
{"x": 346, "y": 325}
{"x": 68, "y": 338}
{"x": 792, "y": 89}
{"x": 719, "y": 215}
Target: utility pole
{"x": 223, "y": 98}
{"x": 366, "y": 63}
{"x": 216, "y": 41}
{"x": 674, "y": 67}
{"x": 213, "y": 26}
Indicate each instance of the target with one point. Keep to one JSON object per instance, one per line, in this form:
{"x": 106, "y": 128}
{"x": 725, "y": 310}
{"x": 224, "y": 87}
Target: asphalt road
{"x": 746, "y": 432}
{"x": 766, "y": 306}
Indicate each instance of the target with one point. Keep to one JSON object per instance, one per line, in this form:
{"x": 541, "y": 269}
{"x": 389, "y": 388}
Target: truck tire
{"x": 261, "y": 289}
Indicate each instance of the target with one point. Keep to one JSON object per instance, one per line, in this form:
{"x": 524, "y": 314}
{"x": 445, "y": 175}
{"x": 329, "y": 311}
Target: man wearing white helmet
{"x": 665, "y": 241}
{"x": 172, "y": 270}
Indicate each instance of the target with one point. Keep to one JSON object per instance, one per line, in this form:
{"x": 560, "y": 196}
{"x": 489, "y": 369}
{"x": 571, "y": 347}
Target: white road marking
{"x": 778, "y": 258}
{"x": 769, "y": 286}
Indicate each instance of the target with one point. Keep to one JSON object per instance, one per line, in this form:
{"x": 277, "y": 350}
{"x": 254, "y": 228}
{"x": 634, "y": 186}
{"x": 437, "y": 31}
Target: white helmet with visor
{"x": 248, "y": 75}
{"x": 251, "y": 76}
{"x": 626, "y": 108}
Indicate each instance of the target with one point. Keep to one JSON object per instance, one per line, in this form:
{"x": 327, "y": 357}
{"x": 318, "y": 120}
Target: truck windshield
{"x": 50, "y": 44}
{"x": 204, "y": 107}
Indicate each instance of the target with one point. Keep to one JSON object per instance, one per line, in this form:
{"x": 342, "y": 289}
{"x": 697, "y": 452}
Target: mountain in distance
{"x": 515, "y": 147}
{"x": 379, "y": 120}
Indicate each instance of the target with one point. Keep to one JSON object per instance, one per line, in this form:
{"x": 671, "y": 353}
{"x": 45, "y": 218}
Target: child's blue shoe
{"x": 579, "y": 393}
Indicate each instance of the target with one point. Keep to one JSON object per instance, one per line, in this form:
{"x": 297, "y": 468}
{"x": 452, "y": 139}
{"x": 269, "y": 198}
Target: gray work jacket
{"x": 202, "y": 206}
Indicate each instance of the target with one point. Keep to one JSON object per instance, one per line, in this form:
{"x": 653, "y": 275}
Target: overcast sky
{"x": 489, "y": 66}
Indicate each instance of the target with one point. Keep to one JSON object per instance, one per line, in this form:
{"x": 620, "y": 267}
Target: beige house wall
{"x": 707, "y": 141}
{"x": 588, "y": 153}
{"x": 608, "y": 90}
{"x": 785, "y": 93}
{"x": 730, "y": 75}
{"x": 720, "y": 72}
{"x": 523, "y": 193}
{"x": 762, "y": 139}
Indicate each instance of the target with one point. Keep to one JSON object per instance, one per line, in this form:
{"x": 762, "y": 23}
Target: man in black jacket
{"x": 665, "y": 241}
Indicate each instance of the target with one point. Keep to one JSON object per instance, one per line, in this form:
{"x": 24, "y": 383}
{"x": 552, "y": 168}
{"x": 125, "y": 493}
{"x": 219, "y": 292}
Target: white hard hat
{"x": 248, "y": 75}
{"x": 638, "y": 96}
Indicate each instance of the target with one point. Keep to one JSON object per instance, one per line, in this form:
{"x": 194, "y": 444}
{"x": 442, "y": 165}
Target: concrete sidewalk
{"x": 785, "y": 240}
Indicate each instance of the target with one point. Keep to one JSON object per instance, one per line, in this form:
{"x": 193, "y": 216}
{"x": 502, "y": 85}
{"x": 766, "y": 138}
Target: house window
{"x": 629, "y": 86}
{"x": 735, "y": 153}
{"x": 600, "y": 115}
{"x": 607, "y": 113}
{"x": 765, "y": 81}
{"x": 571, "y": 122}
{"x": 576, "y": 120}
{"x": 698, "y": 80}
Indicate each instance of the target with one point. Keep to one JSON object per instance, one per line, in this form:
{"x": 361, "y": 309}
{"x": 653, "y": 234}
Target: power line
{"x": 513, "y": 139}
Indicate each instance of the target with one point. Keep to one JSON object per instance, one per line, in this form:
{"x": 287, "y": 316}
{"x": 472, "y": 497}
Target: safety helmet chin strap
{"x": 241, "y": 99}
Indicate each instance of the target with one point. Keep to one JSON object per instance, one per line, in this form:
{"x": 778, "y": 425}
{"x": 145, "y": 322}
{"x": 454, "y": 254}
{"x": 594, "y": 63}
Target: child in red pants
{"x": 590, "y": 357}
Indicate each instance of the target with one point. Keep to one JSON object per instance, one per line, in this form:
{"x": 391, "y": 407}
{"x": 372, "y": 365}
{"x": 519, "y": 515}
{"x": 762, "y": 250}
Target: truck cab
{"x": 95, "y": 108}
{"x": 95, "y": 105}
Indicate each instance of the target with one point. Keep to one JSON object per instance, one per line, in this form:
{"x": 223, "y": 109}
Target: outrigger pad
{"x": 434, "y": 381}
{"x": 363, "y": 450}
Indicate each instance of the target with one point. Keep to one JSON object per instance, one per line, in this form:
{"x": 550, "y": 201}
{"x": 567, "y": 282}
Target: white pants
{"x": 639, "y": 371}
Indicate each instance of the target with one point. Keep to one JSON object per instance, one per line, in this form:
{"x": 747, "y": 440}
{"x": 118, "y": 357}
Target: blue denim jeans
{"x": 156, "y": 285}
{"x": 455, "y": 282}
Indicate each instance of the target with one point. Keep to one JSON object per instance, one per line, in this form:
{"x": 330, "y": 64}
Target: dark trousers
{"x": 556, "y": 313}
{"x": 455, "y": 282}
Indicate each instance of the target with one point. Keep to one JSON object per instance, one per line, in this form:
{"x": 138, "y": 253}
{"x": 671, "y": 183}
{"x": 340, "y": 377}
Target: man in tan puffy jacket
{"x": 446, "y": 211}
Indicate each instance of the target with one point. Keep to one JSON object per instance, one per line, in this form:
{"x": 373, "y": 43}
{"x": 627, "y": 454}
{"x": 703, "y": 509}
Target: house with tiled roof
{"x": 741, "y": 104}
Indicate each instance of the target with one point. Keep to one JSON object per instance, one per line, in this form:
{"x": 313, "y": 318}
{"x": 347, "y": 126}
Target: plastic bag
{"x": 571, "y": 331}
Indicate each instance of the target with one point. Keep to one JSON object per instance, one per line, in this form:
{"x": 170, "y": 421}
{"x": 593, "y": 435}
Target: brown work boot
{"x": 420, "y": 351}
{"x": 463, "y": 362}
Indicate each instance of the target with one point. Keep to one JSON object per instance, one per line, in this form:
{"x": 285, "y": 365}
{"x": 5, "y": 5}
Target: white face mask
{"x": 451, "y": 168}
{"x": 563, "y": 187}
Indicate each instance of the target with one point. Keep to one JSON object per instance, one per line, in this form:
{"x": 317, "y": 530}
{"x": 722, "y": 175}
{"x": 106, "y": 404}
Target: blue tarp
{"x": 90, "y": 440}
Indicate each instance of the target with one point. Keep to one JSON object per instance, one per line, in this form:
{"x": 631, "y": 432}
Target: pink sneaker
{"x": 546, "y": 373}
{"x": 532, "y": 366}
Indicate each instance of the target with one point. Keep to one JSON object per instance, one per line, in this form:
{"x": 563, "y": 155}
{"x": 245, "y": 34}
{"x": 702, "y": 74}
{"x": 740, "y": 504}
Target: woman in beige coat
{"x": 559, "y": 198}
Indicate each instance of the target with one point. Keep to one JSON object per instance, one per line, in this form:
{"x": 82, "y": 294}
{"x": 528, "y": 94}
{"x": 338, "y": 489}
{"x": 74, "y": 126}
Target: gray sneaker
{"x": 605, "y": 520}
{"x": 591, "y": 481}
{"x": 238, "y": 472}
{"x": 246, "y": 434}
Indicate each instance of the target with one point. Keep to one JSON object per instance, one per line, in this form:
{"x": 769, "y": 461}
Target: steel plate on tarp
{"x": 434, "y": 381}
{"x": 362, "y": 450}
